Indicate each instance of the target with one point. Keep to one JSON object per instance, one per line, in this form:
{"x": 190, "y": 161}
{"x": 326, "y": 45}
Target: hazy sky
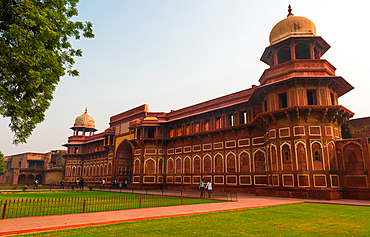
{"x": 172, "y": 54}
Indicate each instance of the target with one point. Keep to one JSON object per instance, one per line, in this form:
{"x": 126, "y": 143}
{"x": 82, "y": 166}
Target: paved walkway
{"x": 245, "y": 201}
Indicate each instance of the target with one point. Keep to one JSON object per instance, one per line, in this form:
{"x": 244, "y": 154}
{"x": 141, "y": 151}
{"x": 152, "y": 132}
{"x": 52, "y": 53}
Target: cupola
{"x": 84, "y": 123}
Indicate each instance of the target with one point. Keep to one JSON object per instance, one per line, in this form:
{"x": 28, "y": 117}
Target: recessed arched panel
{"x": 170, "y": 166}
{"x": 259, "y": 161}
{"x": 178, "y": 164}
{"x": 332, "y": 158}
{"x": 197, "y": 165}
{"x": 125, "y": 154}
{"x": 244, "y": 161}
{"x": 317, "y": 156}
{"x": 207, "y": 164}
{"x": 353, "y": 157}
{"x": 301, "y": 154}
{"x": 286, "y": 157}
{"x": 30, "y": 179}
{"x": 160, "y": 166}
{"x": 149, "y": 166}
{"x": 219, "y": 163}
{"x": 231, "y": 163}
{"x": 187, "y": 165}
{"x": 274, "y": 159}
{"x": 22, "y": 179}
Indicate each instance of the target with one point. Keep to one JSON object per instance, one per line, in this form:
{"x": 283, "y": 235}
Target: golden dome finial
{"x": 290, "y": 11}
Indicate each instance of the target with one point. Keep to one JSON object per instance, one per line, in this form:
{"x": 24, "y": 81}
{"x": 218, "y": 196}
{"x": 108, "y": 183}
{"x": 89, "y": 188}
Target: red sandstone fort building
{"x": 280, "y": 138}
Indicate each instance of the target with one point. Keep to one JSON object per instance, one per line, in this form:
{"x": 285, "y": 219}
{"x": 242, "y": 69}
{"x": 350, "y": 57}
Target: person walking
{"x": 103, "y": 183}
{"x": 62, "y": 184}
{"x": 36, "y": 183}
{"x": 201, "y": 186}
{"x": 126, "y": 183}
{"x": 114, "y": 183}
{"x": 209, "y": 187}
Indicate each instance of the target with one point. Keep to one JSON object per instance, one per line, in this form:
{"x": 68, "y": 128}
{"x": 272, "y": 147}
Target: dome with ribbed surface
{"x": 85, "y": 121}
{"x": 292, "y": 26}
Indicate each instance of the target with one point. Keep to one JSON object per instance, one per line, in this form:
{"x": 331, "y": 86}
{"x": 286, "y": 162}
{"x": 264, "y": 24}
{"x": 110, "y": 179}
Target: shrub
{"x": 90, "y": 187}
{"x": 73, "y": 186}
{"x": 24, "y": 188}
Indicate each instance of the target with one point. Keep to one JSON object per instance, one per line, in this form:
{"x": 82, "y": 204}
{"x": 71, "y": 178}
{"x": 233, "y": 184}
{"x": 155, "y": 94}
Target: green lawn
{"x": 56, "y": 194}
{"x": 302, "y": 219}
{"x": 25, "y": 204}
{"x": 20, "y": 188}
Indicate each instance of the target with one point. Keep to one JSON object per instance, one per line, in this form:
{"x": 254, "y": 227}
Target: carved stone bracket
{"x": 288, "y": 116}
{"x": 324, "y": 113}
{"x": 308, "y": 114}
{"x": 297, "y": 110}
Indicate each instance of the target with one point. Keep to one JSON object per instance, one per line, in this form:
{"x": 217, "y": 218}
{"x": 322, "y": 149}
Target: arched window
{"x": 302, "y": 51}
{"x": 316, "y": 150}
{"x": 284, "y": 55}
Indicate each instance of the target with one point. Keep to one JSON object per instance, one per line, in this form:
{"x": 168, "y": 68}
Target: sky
{"x": 173, "y": 54}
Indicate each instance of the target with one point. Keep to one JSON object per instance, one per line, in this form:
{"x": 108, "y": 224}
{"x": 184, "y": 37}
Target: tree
{"x": 2, "y": 164}
{"x": 35, "y": 52}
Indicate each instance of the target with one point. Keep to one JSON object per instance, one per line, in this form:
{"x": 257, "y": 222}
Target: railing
{"x": 60, "y": 206}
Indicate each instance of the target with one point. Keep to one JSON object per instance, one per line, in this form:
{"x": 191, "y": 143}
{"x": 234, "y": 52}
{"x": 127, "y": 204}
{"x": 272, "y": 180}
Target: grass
{"x": 26, "y": 204}
{"x": 20, "y": 187}
{"x": 304, "y": 219}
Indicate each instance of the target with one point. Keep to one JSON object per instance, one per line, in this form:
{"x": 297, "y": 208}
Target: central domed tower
{"x": 300, "y": 117}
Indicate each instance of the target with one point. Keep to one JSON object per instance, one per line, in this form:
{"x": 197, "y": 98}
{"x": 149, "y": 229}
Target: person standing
{"x": 209, "y": 187}
{"x": 81, "y": 184}
{"x": 103, "y": 183}
{"x": 201, "y": 186}
{"x": 126, "y": 183}
{"x": 62, "y": 184}
{"x": 114, "y": 183}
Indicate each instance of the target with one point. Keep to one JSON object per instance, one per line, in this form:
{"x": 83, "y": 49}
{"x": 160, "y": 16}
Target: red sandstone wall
{"x": 360, "y": 127}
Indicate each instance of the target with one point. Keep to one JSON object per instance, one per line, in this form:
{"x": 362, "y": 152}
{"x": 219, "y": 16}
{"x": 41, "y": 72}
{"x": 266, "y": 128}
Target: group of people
{"x": 80, "y": 184}
{"x": 208, "y": 186}
{"x": 114, "y": 182}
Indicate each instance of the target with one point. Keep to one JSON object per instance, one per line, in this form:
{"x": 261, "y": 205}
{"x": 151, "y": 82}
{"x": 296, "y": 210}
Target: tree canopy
{"x": 2, "y": 164}
{"x": 35, "y": 52}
